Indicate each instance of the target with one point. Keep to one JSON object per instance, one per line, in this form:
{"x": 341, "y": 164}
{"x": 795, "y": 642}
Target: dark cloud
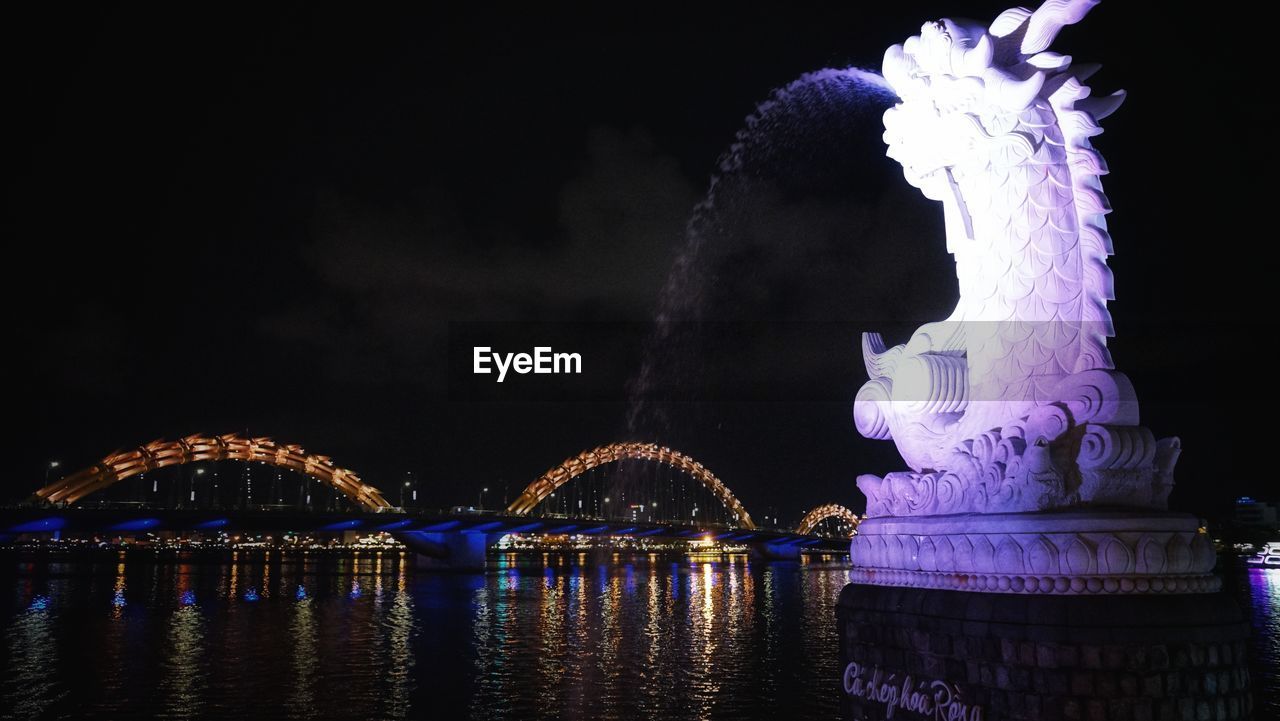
{"x": 623, "y": 218}
{"x": 397, "y": 276}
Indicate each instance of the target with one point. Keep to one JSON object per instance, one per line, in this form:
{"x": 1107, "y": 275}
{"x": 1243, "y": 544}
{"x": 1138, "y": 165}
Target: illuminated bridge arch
{"x": 822, "y": 513}
{"x": 194, "y": 449}
{"x": 573, "y": 467}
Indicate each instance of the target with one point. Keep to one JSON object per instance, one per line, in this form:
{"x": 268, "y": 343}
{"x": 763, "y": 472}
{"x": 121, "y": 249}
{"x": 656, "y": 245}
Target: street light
{"x": 199, "y": 472}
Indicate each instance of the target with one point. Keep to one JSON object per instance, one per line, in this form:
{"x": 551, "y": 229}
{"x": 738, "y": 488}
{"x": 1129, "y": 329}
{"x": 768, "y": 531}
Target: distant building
{"x": 1256, "y": 514}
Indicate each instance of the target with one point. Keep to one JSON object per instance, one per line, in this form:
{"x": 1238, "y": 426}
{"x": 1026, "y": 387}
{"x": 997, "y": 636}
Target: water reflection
{"x": 1264, "y": 593}
{"x": 30, "y": 679}
{"x": 113, "y": 661}
{"x": 400, "y": 629}
{"x": 555, "y": 637}
{"x": 653, "y": 678}
{"x": 118, "y": 601}
{"x": 702, "y": 617}
{"x": 182, "y": 676}
{"x": 304, "y": 657}
{"x": 644, "y": 637}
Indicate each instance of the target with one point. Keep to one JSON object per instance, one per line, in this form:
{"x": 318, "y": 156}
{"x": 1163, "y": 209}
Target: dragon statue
{"x": 1011, "y": 404}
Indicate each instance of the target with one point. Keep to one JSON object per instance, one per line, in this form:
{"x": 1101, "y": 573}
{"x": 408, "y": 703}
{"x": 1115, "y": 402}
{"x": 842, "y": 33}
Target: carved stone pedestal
{"x": 1050, "y": 552}
{"x": 927, "y": 654}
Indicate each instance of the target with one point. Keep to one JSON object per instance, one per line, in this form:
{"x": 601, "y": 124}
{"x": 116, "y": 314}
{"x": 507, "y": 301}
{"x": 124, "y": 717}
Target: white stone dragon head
{"x": 974, "y": 96}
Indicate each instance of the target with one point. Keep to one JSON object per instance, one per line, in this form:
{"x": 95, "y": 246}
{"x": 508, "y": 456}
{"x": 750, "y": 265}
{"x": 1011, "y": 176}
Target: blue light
{"x": 45, "y": 524}
{"x": 484, "y": 527}
{"x": 393, "y": 526}
{"x": 593, "y": 531}
{"x": 524, "y": 528}
{"x": 442, "y": 526}
{"x": 39, "y": 603}
{"x": 342, "y": 525}
{"x": 562, "y": 529}
{"x": 188, "y": 598}
{"x": 140, "y": 524}
{"x": 301, "y": 593}
{"x": 355, "y": 590}
{"x": 215, "y": 523}
{"x": 251, "y": 595}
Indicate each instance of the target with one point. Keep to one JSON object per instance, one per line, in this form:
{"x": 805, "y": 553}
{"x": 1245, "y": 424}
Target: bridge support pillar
{"x": 448, "y": 551}
{"x": 779, "y": 551}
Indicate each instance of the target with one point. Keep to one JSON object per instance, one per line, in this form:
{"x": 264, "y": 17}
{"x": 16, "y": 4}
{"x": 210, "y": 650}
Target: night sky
{"x": 279, "y": 221}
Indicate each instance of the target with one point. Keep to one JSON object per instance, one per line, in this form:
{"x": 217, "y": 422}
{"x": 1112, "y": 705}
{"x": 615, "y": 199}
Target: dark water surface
{"x": 1258, "y": 590}
{"x": 372, "y": 637}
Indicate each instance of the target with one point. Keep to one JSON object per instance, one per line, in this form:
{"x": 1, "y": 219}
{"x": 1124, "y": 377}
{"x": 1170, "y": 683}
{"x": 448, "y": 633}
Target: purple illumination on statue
{"x": 1012, "y": 405}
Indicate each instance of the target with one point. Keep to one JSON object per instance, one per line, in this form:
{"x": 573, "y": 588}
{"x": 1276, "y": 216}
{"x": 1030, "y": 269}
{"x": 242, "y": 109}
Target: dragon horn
{"x": 978, "y": 58}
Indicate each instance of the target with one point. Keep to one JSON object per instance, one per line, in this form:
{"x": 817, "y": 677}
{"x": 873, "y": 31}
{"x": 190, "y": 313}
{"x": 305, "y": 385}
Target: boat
{"x": 1268, "y": 557}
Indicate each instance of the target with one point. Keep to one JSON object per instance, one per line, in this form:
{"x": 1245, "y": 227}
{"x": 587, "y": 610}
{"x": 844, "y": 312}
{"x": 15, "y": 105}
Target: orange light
{"x": 194, "y": 449}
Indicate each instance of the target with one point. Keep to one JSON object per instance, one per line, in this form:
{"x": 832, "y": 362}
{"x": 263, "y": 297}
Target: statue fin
{"x": 1100, "y": 108}
{"x": 1049, "y": 19}
{"x": 879, "y": 360}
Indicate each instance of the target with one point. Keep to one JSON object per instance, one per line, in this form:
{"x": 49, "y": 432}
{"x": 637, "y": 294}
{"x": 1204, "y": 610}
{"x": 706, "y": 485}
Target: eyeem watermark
{"x": 542, "y": 362}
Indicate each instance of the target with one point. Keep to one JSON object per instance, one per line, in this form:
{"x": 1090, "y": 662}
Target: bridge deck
{"x": 134, "y": 520}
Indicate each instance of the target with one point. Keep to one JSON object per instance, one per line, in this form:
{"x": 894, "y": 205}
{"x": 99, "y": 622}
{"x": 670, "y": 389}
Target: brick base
{"x": 1048, "y": 658}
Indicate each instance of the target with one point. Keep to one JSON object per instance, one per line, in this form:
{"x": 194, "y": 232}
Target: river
{"x": 562, "y": 636}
